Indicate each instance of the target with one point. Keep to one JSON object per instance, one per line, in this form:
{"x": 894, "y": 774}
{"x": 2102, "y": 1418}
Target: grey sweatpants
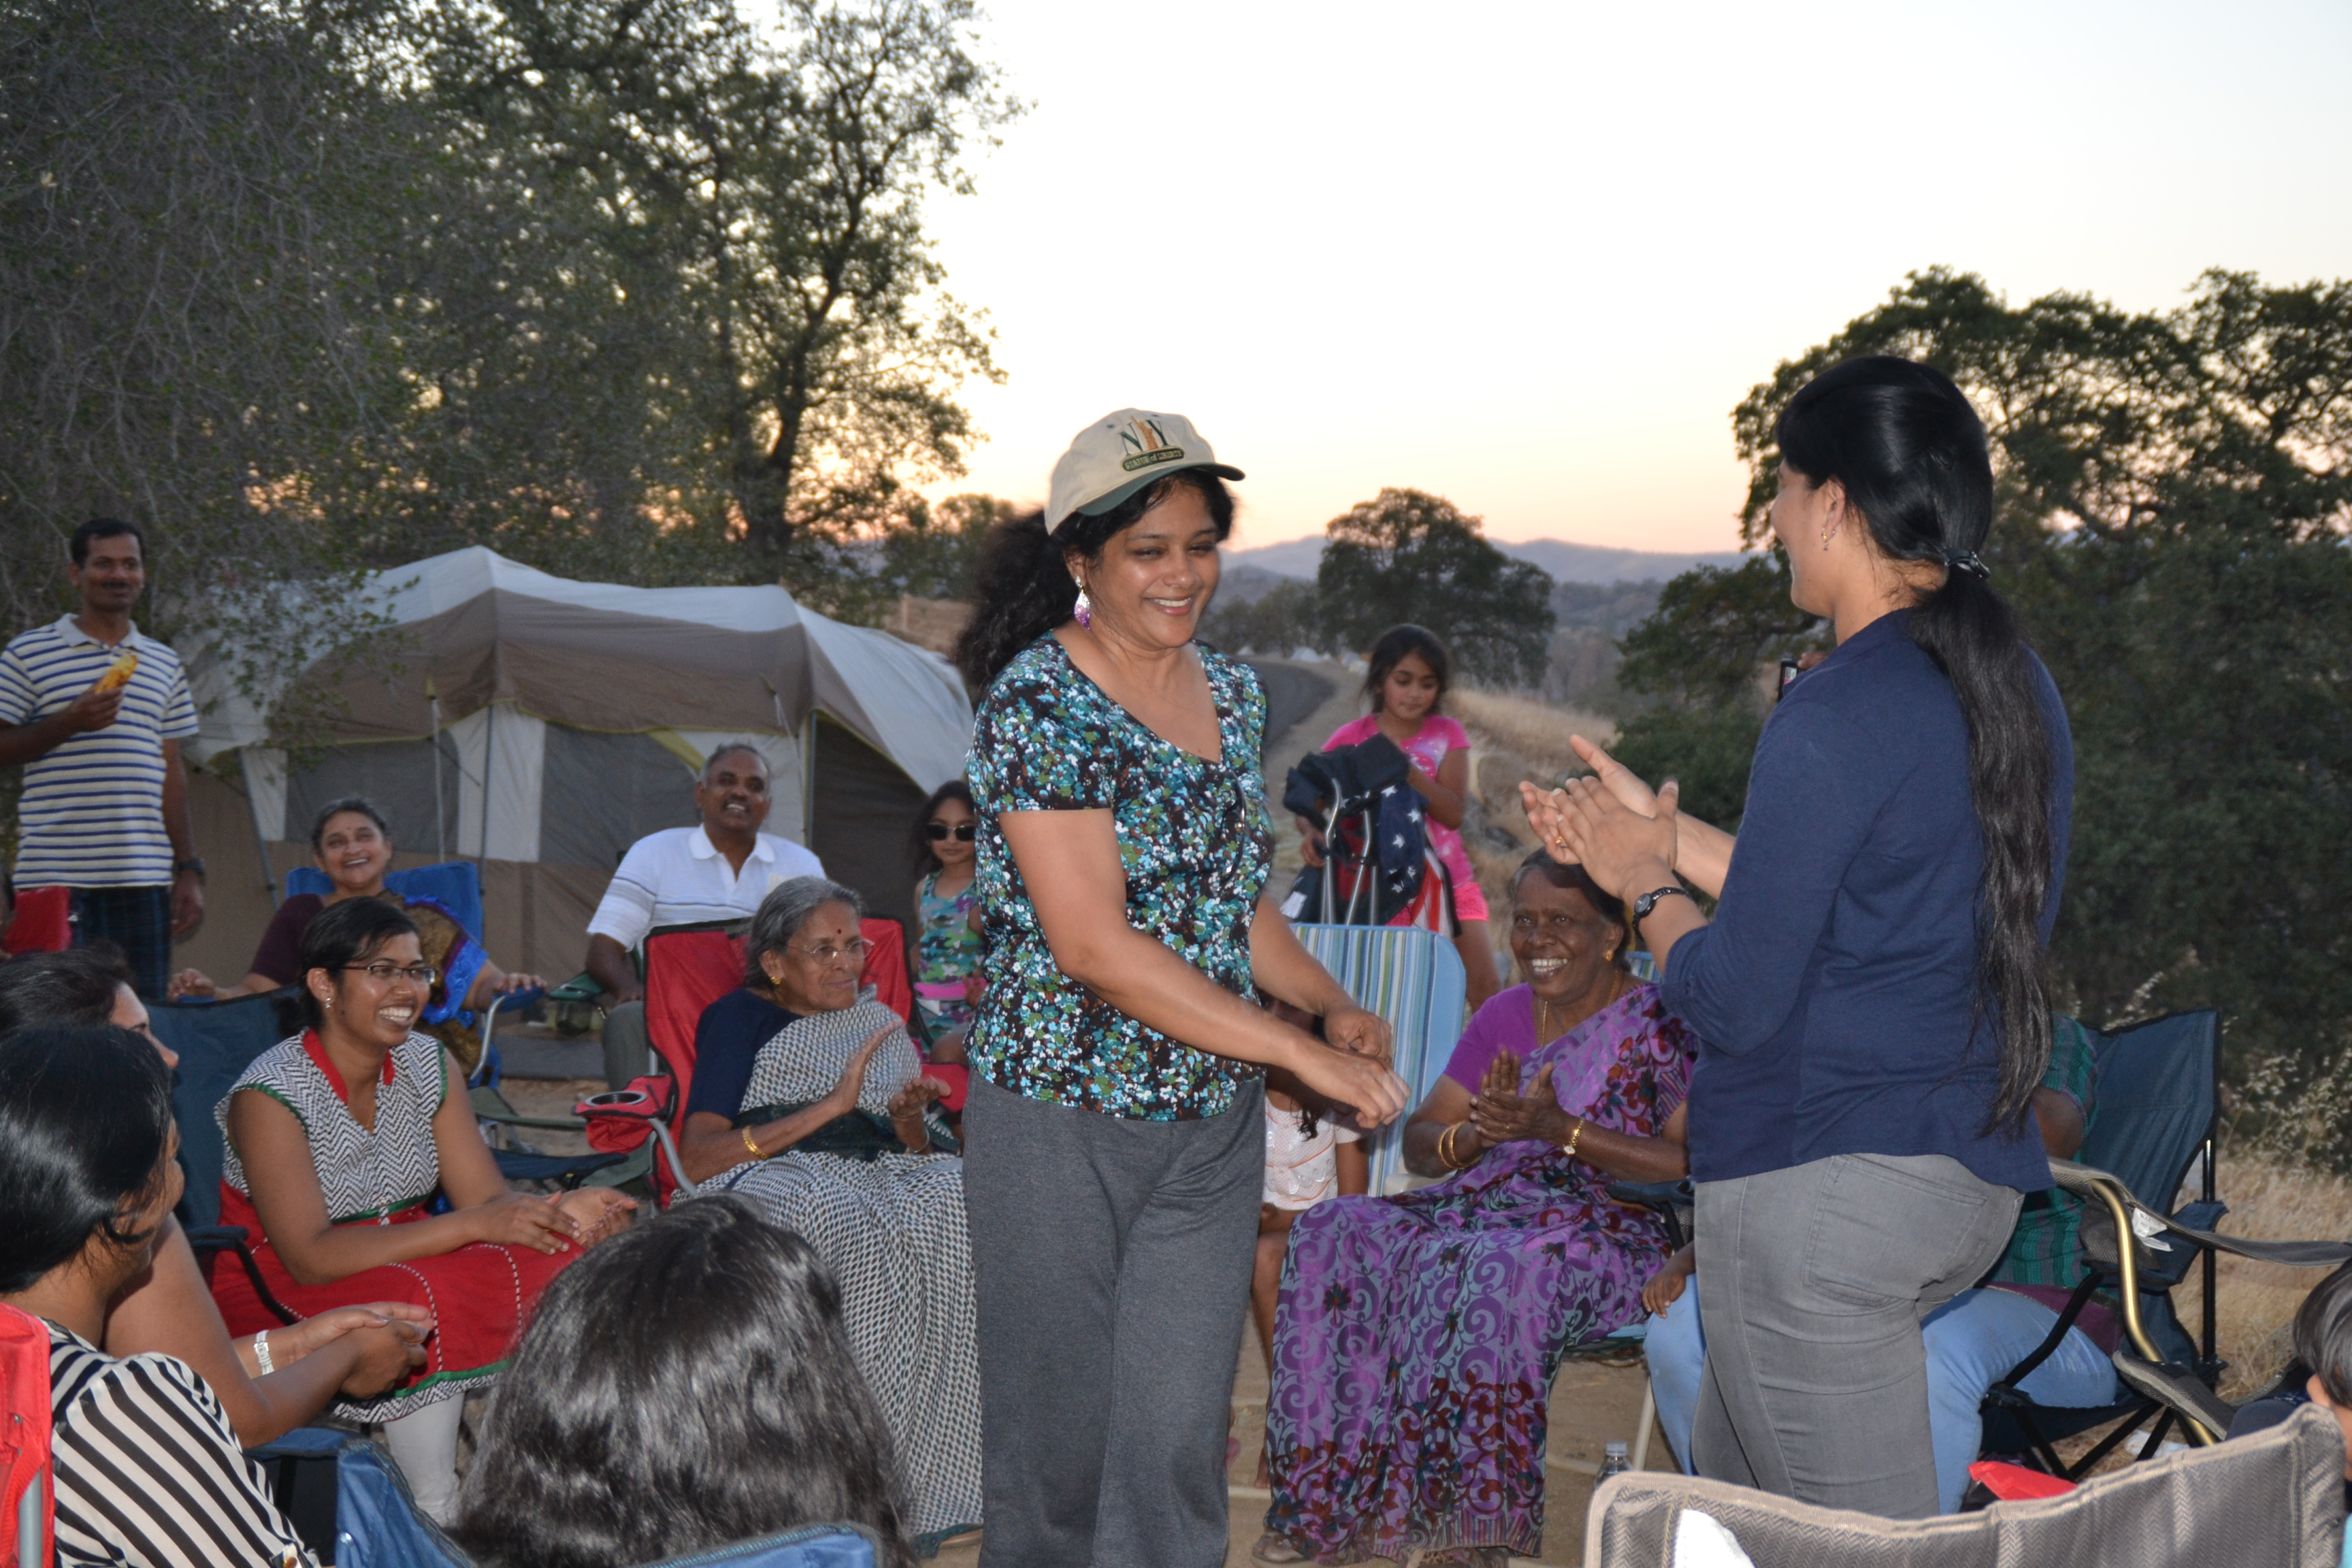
{"x": 1816, "y": 1387}
{"x": 1112, "y": 1259}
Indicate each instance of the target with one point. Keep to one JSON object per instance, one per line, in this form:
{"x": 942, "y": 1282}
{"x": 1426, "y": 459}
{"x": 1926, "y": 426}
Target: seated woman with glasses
{"x": 351, "y": 844}
{"x": 339, "y": 1140}
{"x": 810, "y": 1099}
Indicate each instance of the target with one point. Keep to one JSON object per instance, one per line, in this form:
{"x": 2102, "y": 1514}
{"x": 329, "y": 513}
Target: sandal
{"x": 1273, "y": 1547}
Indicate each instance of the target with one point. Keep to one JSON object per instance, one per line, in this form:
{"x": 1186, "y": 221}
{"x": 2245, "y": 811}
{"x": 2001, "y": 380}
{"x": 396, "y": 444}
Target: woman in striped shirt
{"x": 147, "y": 1472}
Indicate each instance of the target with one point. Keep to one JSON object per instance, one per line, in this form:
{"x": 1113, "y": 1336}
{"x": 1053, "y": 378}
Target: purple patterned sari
{"x": 1417, "y": 1335}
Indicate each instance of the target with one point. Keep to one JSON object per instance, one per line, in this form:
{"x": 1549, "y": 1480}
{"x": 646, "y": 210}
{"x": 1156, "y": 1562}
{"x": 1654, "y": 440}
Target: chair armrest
{"x": 1669, "y": 1200}
{"x": 490, "y": 1105}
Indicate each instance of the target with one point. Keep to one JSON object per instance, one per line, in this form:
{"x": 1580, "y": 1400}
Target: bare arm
{"x": 1355, "y": 1168}
{"x": 1702, "y": 854}
{"x": 187, "y": 888}
{"x": 1069, "y": 862}
{"x": 609, "y": 965}
{"x": 490, "y": 982}
{"x": 714, "y": 1143}
{"x": 1445, "y": 793}
{"x": 1290, "y": 974}
{"x": 93, "y": 710}
{"x": 169, "y": 1309}
{"x": 2063, "y": 1129}
{"x": 1448, "y": 1104}
{"x": 271, "y": 1144}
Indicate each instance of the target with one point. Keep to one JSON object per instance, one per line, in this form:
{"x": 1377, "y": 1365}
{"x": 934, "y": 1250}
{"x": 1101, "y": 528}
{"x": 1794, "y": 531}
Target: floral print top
{"x": 1194, "y": 836}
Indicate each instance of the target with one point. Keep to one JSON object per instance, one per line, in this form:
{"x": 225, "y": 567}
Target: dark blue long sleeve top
{"x": 1834, "y": 994}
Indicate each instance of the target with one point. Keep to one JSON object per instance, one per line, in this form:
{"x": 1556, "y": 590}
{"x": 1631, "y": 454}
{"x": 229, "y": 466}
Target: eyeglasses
{"x": 855, "y": 948}
{"x": 382, "y": 973}
{"x": 937, "y": 832}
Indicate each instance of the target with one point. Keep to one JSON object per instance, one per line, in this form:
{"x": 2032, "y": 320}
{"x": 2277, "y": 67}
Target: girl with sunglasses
{"x": 946, "y": 959}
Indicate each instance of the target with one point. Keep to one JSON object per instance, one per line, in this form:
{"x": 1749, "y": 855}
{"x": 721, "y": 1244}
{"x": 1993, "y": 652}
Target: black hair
{"x": 351, "y": 931}
{"x": 335, "y": 808}
{"x": 1575, "y": 878}
{"x": 75, "y": 986}
{"x": 919, "y": 839}
{"x": 1022, "y": 589}
{"x": 744, "y": 1415}
{"x": 1913, "y": 457}
{"x": 85, "y": 1124}
{"x": 98, "y": 528}
{"x": 1390, "y": 651}
{"x": 2323, "y": 1334}
{"x": 728, "y": 749}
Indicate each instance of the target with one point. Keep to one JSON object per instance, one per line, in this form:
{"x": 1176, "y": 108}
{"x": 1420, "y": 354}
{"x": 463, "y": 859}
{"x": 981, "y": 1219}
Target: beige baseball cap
{"x": 1119, "y": 454}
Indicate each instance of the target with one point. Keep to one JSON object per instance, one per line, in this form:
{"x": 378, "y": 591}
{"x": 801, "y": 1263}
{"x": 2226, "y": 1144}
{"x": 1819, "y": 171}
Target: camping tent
{"x": 541, "y": 726}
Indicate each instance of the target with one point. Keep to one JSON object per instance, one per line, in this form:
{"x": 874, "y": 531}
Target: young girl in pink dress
{"x": 1410, "y": 670}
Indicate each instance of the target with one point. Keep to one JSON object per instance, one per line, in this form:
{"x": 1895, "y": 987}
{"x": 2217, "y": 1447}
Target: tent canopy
{"x": 477, "y": 630}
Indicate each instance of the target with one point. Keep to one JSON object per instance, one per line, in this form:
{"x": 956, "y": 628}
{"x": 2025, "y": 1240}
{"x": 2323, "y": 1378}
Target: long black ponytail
{"x": 1913, "y": 457}
{"x": 1022, "y": 589}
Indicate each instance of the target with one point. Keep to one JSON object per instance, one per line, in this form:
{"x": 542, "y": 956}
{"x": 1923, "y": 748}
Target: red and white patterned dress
{"x": 480, "y": 1295}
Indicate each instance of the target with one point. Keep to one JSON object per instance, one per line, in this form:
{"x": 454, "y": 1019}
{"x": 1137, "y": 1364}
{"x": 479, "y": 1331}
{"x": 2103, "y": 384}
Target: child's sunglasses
{"x": 937, "y": 832}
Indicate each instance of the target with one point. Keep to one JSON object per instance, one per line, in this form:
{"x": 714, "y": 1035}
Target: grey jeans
{"x": 1112, "y": 1263}
{"x": 1816, "y": 1386}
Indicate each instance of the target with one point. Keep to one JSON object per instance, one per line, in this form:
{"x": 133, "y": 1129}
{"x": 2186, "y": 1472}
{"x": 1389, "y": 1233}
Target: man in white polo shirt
{"x": 105, "y": 807}
{"x": 718, "y": 871}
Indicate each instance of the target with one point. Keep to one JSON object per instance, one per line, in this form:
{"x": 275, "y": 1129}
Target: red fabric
{"x": 44, "y": 923}
{"x": 885, "y": 966}
{"x": 686, "y": 971}
{"x": 24, "y": 1428}
{"x": 2015, "y": 1483}
{"x": 316, "y": 1050}
{"x": 480, "y": 1296}
{"x": 957, "y": 1076}
{"x": 620, "y": 1129}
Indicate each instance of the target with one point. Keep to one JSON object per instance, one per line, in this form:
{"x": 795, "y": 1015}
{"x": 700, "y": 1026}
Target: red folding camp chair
{"x": 44, "y": 922}
{"x": 686, "y": 969}
{"x": 27, "y": 1514}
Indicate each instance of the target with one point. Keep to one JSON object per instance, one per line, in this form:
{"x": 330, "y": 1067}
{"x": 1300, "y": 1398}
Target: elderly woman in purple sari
{"x": 1417, "y": 1335}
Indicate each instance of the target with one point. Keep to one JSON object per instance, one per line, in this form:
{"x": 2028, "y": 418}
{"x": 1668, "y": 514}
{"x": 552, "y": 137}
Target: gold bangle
{"x": 751, "y": 1142}
{"x": 1445, "y": 1145}
{"x": 1574, "y": 1138}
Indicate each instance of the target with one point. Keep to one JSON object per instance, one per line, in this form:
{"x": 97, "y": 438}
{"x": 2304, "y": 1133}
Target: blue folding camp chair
{"x": 377, "y": 1526}
{"x": 1414, "y": 979}
{"x": 2152, "y": 1110}
{"x": 455, "y": 885}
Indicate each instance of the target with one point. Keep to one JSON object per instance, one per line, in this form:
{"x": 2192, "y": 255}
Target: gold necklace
{"x": 1543, "y": 1007}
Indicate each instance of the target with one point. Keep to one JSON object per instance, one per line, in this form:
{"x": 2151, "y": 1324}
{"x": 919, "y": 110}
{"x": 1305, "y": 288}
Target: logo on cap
{"x": 1150, "y": 444}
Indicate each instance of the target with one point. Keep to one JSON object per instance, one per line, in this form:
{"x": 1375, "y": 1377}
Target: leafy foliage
{"x": 1286, "y": 619}
{"x": 1407, "y": 555}
{"x": 2175, "y": 496}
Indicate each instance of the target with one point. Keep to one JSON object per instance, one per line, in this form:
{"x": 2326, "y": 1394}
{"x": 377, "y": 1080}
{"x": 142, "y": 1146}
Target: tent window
{"x": 858, "y": 825}
{"x": 395, "y": 777}
{"x": 603, "y": 793}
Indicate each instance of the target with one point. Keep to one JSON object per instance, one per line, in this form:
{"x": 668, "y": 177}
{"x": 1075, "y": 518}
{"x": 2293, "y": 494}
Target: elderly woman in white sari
{"x": 833, "y": 1133}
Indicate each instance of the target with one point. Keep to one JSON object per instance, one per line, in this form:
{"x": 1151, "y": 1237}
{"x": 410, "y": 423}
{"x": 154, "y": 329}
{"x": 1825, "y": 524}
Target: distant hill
{"x": 1567, "y": 562}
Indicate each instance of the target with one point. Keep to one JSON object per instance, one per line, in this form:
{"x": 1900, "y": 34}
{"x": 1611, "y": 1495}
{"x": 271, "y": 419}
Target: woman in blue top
{"x": 1870, "y": 997}
{"x": 1115, "y": 1120}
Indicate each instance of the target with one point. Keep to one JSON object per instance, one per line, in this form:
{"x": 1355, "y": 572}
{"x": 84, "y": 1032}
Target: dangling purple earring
{"x": 1083, "y": 611}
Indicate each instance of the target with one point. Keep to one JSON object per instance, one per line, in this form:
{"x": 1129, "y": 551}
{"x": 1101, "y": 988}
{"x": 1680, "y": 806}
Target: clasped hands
{"x": 1500, "y": 1114}
{"x": 907, "y": 1105}
{"x": 1612, "y": 823}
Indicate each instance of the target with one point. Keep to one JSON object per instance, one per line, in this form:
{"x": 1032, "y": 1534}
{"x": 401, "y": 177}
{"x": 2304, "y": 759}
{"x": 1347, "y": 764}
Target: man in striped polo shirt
{"x": 105, "y": 806}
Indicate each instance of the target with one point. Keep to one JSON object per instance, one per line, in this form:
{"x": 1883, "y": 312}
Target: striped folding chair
{"x": 1414, "y": 979}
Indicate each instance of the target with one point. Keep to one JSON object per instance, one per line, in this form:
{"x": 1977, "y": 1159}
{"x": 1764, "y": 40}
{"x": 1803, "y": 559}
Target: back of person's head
{"x": 685, "y": 1384}
{"x": 919, "y": 836}
{"x": 98, "y": 528}
{"x": 75, "y": 986}
{"x": 2323, "y": 1334}
{"x": 85, "y": 1121}
{"x": 1022, "y": 588}
{"x": 1390, "y": 651}
{"x": 1912, "y": 455}
{"x": 344, "y": 935}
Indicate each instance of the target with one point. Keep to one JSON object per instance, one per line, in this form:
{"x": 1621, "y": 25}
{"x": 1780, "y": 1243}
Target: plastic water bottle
{"x": 1613, "y": 1462}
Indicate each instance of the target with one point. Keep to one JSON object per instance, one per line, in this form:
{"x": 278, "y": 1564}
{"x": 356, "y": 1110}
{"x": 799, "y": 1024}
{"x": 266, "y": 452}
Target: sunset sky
{"x": 1529, "y": 254}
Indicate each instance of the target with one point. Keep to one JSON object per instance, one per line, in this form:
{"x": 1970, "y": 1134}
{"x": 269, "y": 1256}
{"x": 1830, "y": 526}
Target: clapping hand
{"x": 1503, "y": 1115}
{"x": 852, "y": 1083}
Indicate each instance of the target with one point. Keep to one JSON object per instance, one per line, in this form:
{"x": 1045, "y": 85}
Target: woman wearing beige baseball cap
{"x": 1115, "y": 1120}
